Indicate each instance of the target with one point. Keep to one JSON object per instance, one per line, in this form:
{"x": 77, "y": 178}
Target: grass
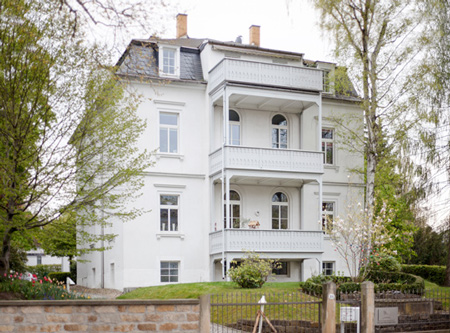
{"x": 239, "y": 303}
{"x": 195, "y": 290}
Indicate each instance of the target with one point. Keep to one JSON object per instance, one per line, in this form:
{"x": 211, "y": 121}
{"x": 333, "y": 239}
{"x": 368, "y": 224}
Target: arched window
{"x": 235, "y": 210}
{"x": 279, "y": 132}
{"x": 234, "y": 128}
{"x": 280, "y": 208}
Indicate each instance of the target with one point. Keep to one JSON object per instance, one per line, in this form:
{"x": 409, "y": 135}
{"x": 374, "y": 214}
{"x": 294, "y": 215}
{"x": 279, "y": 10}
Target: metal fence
{"x": 417, "y": 310}
{"x": 280, "y": 312}
{"x": 348, "y": 312}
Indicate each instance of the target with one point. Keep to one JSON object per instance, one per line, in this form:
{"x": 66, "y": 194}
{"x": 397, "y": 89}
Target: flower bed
{"x": 16, "y": 286}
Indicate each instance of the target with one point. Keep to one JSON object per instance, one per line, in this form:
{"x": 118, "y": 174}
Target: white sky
{"x": 290, "y": 25}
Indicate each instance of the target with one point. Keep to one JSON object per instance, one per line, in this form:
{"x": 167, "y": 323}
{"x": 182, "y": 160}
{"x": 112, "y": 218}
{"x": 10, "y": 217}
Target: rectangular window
{"x": 168, "y": 132}
{"x": 169, "y": 212}
{"x": 326, "y": 81}
{"x": 327, "y": 215}
{"x": 169, "y": 271}
{"x": 327, "y": 268}
{"x": 282, "y": 270}
{"x": 169, "y": 61}
{"x": 328, "y": 145}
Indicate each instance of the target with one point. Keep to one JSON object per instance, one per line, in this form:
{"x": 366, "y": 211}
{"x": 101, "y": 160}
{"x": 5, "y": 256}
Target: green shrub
{"x": 60, "y": 276}
{"x": 385, "y": 263}
{"x": 252, "y": 272}
{"x": 43, "y": 270}
{"x": 435, "y": 274}
{"x": 384, "y": 281}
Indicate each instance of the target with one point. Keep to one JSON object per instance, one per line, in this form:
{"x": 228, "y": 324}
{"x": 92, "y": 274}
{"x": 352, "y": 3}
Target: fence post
{"x": 205, "y": 321}
{"x": 367, "y": 307}
{"x": 329, "y": 307}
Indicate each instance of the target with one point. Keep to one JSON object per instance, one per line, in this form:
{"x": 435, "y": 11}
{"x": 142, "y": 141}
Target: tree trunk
{"x": 5, "y": 254}
{"x": 447, "y": 269}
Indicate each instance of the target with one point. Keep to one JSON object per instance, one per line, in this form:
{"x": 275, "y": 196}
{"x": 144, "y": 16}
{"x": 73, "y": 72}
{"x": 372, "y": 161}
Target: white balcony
{"x": 267, "y": 74}
{"x": 284, "y": 241}
{"x": 266, "y": 159}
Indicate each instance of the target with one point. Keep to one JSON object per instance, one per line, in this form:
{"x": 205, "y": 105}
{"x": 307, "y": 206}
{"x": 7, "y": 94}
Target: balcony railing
{"x": 266, "y": 159}
{"x": 268, "y": 74}
{"x": 291, "y": 241}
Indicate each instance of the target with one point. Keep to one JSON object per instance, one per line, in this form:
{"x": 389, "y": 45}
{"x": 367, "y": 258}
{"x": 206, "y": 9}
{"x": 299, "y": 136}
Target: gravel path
{"x": 97, "y": 293}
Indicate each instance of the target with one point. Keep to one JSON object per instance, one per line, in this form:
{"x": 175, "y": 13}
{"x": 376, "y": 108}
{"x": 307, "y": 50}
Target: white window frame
{"x": 326, "y": 83}
{"x": 169, "y": 275}
{"x": 280, "y": 127}
{"x": 288, "y": 269}
{"x": 279, "y": 204}
{"x": 325, "y": 142}
{"x": 230, "y": 132}
{"x": 169, "y": 127}
{"x": 176, "y": 50}
{"x": 169, "y": 208}
{"x": 326, "y": 213}
{"x": 232, "y": 204}
{"x": 325, "y": 270}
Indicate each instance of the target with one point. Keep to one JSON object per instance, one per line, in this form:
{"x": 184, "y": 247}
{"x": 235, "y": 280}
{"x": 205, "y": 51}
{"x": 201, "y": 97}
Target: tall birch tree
{"x": 375, "y": 40}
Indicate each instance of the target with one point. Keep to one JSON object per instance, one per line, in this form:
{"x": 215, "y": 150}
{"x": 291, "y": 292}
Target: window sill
{"x": 330, "y": 166}
{"x": 169, "y": 235}
{"x": 169, "y": 155}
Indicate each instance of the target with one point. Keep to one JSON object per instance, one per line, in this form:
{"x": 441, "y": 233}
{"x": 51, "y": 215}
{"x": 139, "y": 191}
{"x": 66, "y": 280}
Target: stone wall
{"x": 103, "y": 316}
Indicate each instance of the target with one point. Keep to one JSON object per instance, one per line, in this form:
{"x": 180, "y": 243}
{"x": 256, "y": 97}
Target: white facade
{"x": 270, "y": 160}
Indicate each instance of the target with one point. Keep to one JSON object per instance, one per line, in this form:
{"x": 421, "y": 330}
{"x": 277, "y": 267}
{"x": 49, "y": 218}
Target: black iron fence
{"x": 414, "y": 310}
{"x": 280, "y": 312}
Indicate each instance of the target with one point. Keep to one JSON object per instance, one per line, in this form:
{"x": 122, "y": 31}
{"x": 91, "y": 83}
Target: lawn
{"x": 195, "y": 290}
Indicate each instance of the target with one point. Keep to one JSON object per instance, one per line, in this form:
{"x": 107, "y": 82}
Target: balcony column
{"x": 320, "y": 202}
{"x": 319, "y": 123}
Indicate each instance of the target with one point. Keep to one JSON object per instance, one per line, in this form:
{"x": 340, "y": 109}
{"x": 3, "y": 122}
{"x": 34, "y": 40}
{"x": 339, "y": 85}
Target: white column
{"x": 320, "y": 202}
{"x": 319, "y": 124}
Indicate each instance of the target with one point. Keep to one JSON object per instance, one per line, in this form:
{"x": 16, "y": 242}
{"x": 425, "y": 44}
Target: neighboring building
{"x": 38, "y": 257}
{"x": 232, "y": 118}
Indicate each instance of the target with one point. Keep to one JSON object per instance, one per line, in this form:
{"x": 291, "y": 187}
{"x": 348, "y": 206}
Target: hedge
{"x": 60, "y": 276}
{"x": 43, "y": 270}
{"x": 435, "y": 274}
{"x": 384, "y": 281}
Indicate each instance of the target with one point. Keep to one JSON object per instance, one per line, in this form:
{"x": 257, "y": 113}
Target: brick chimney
{"x": 181, "y": 25}
{"x": 254, "y": 35}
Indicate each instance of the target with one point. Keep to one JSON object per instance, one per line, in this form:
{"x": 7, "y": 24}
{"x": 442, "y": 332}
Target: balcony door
{"x": 235, "y": 211}
{"x": 234, "y": 128}
{"x": 280, "y": 209}
{"x": 279, "y": 132}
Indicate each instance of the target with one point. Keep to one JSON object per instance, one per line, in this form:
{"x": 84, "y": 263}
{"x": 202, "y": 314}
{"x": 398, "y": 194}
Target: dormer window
{"x": 169, "y": 61}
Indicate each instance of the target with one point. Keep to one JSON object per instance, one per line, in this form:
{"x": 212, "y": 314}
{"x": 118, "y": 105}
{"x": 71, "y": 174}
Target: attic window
{"x": 326, "y": 81}
{"x": 169, "y": 61}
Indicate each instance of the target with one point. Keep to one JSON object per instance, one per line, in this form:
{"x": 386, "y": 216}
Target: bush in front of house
{"x": 384, "y": 281}
{"x": 252, "y": 272}
{"x": 384, "y": 262}
{"x": 60, "y": 276}
{"x": 435, "y": 274}
{"x": 43, "y": 270}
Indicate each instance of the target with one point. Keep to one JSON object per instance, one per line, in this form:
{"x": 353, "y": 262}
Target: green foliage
{"x": 384, "y": 281}
{"x": 384, "y": 262}
{"x": 18, "y": 260}
{"x": 435, "y": 274}
{"x": 42, "y": 271}
{"x": 252, "y": 272}
{"x": 430, "y": 247}
{"x": 68, "y": 133}
{"x": 60, "y": 276}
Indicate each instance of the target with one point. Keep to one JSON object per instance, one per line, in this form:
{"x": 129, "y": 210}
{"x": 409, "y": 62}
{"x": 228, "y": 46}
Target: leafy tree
{"x": 68, "y": 129}
{"x": 374, "y": 39}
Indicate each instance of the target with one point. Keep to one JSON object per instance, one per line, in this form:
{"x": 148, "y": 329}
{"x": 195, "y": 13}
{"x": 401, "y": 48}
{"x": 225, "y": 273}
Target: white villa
{"x": 237, "y": 119}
